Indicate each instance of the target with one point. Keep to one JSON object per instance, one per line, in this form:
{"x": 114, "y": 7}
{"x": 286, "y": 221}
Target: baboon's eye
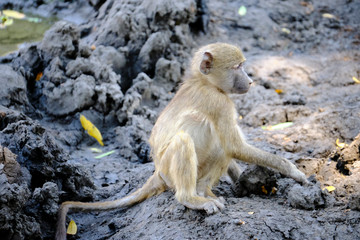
{"x": 237, "y": 66}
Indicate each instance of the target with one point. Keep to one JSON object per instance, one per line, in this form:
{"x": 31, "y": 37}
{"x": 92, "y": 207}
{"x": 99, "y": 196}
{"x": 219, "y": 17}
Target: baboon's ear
{"x": 206, "y": 63}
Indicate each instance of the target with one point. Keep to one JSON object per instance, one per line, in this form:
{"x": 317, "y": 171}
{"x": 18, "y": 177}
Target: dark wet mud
{"x": 119, "y": 63}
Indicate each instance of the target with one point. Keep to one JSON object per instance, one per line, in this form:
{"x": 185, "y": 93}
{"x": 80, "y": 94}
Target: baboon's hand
{"x": 300, "y": 177}
{"x": 213, "y": 206}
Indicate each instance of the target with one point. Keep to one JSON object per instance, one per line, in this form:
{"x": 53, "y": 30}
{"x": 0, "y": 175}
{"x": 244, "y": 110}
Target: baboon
{"x": 196, "y": 138}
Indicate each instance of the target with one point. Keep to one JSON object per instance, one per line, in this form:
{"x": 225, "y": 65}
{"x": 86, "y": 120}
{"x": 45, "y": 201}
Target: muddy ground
{"x": 119, "y": 63}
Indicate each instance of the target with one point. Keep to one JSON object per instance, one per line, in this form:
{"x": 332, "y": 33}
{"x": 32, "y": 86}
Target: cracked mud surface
{"x": 119, "y": 63}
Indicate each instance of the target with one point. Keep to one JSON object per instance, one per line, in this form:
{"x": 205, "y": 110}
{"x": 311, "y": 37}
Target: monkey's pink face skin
{"x": 241, "y": 81}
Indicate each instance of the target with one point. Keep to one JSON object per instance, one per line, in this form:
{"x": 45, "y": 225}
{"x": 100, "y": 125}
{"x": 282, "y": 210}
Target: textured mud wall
{"x": 120, "y": 62}
{"x": 33, "y": 178}
{"x": 138, "y": 46}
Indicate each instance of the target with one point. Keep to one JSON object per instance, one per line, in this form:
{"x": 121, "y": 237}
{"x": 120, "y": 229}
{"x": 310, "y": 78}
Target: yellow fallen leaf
{"x": 250, "y": 213}
{"x": 241, "y": 222}
{"x": 93, "y": 47}
{"x": 91, "y": 129}
{"x": 72, "y": 228}
{"x": 240, "y": 117}
{"x": 273, "y": 190}
{"x": 263, "y": 189}
{"x": 328, "y": 15}
{"x": 329, "y": 188}
{"x": 38, "y": 76}
{"x": 286, "y": 30}
{"x": 279, "y": 91}
{"x": 355, "y": 80}
{"x": 13, "y": 14}
{"x": 340, "y": 144}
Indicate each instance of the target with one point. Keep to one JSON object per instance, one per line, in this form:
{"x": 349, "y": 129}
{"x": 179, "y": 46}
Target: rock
{"x": 354, "y": 202}
{"x": 202, "y": 17}
{"x": 255, "y": 180}
{"x": 48, "y": 198}
{"x": 37, "y": 150}
{"x": 294, "y": 98}
{"x": 264, "y": 114}
{"x": 76, "y": 86}
{"x": 109, "y": 96}
{"x": 29, "y": 63}
{"x": 9, "y": 165}
{"x": 62, "y": 40}
{"x": 14, "y": 223}
{"x": 110, "y": 56}
{"x": 13, "y": 92}
{"x": 170, "y": 12}
{"x": 54, "y": 73}
{"x": 347, "y": 156}
{"x": 133, "y": 97}
{"x": 71, "y": 96}
{"x": 152, "y": 50}
{"x": 144, "y": 153}
{"x": 257, "y": 96}
{"x": 306, "y": 197}
{"x": 8, "y": 116}
{"x": 135, "y": 129}
{"x": 43, "y": 162}
{"x": 148, "y": 32}
{"x": 167, "y": 73}
{"x": 83, "y": 66}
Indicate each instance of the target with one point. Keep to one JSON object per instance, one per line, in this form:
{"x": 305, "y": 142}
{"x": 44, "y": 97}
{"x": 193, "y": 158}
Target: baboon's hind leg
{"x": 183, "y": 174}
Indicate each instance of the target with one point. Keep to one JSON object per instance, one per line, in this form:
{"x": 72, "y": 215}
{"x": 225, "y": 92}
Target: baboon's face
{"x": 241, "y": 81}
{"x": 222, "y": 64}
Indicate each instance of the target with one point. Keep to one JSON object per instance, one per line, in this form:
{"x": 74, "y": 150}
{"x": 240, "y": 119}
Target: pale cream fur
{"x": 196, "y": 138}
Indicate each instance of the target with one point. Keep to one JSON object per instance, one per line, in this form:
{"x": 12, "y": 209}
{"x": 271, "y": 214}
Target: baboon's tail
{"x": 154, "y": 185}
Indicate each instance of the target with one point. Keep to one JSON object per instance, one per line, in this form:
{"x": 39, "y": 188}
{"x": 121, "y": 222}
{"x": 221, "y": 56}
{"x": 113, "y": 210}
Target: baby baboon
{"x": 196, "y": 138}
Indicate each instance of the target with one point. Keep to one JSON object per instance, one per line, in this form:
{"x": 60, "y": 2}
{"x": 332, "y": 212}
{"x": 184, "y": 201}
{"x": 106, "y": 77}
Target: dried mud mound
{"x": 30, "y": 179}
{"x": 115, "y": 84}
{"x": 119, "y": 63}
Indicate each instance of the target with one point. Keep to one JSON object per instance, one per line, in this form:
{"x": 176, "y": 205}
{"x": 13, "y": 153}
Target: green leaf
{"x": 33, "y": 19}
{"x": 105, "y": 154}
{"x": 242, "y": 11}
